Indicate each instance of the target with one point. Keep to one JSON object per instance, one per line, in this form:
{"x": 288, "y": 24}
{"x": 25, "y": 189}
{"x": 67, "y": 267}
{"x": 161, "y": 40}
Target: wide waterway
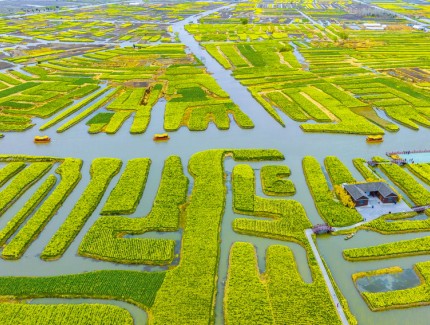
{"x": 291, "y": 141}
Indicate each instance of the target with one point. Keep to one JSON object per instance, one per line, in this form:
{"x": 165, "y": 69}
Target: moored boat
{"x": 161, "y": 137}
{"x": 42, "y": 139}
{"x": 349, "y": 236}
{"x": 374, "y": 138}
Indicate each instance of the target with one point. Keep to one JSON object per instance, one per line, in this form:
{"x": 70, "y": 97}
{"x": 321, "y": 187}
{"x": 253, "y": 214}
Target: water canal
{"x": 291, "y": 141}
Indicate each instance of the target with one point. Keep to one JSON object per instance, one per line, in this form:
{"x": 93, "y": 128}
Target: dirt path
{"x": 332, "y": 117}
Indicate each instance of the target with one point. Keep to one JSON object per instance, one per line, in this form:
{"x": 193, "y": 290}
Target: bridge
{"x": 322, "y": 229}
{"x": 421, "y": 208}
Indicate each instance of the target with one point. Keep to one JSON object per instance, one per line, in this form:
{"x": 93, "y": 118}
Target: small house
{"x": 360, "y": 193}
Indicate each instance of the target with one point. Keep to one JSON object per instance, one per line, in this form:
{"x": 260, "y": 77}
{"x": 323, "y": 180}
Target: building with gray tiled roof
{"x": 360, "y": 193}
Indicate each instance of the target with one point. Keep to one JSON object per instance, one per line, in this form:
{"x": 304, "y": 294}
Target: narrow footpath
{"x": 308, "y": 233}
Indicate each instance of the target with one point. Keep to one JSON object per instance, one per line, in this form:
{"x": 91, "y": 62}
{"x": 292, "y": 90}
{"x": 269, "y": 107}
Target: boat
{"x": 349, "y": 236}
{"x": 42, "y": 139}
{"x": 161, "y": 137}
{"x": 374, "y": 138}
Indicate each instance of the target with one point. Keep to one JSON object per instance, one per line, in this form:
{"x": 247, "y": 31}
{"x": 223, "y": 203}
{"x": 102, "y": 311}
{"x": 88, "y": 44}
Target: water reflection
{"x": 388, "y": 282}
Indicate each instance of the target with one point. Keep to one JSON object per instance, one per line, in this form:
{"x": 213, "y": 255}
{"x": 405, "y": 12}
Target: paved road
{"x": 336, "y": 301}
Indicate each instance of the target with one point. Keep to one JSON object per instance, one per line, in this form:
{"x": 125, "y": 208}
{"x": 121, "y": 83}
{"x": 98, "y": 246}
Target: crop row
{"x": 127, "y": 193}
{"x": 186, "y": 302}
{"x": 361, "y": 165}
{"x": 102, "y": 240}
{"x": 138, "y": 288}
{"x": 413, "y": 189}
{"x": 337, "y": 171}
{"x": 243, "y": 188}
{"x": 29, "y": 206}
{"x": 117, "y": 121}
{"x": 289, "y": 217}
{"x": 70, "y": 177}
{"x": 195, "y": 99}
{"x": 102, "y": 171}
{"x": 246, "y": 295}
{"x": 293, "y": 300}
{"x": 417, "y": 246}
{"x": 421, "y": 170}
{"x": 76, "y": 119}
{"x": 395, "y": 223}
{"x": 273, "y": 180}
{"x": 288, "y": 106}
{"x": 334, "y": 213}
{"x": 21, "y": 182}
{"x": 308, "y": 106}
{"x": 9, "y": 171}
{"x": 69, "y": 111}
{"x": 143, "y": 113}
{"x": 59, "y": 314}
{"x": 348, "y": 121}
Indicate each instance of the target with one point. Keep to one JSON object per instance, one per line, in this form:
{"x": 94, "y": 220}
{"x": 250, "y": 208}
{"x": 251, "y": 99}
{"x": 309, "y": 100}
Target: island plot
{"x": 165, "y": 295}
{"x": 385, "y": 211}
{"x": 108, "y": 64}
{"x": 347, "y": 78}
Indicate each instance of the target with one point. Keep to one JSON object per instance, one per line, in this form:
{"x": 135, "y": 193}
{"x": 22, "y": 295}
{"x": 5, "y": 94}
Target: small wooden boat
{"x": 374, "y": 138}
{"x": 161, "y": 137}
{"x": 349, "y": 236}
{"x": 42, "y": 139}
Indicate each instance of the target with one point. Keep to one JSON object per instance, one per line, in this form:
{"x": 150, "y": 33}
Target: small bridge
{"x": 322, "y": 229}
{"x": 421, "y": 208}
{"x": 399, "y": 162}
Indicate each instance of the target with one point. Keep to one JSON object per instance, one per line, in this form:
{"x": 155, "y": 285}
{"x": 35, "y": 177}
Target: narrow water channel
{"x": 291, "y": 140}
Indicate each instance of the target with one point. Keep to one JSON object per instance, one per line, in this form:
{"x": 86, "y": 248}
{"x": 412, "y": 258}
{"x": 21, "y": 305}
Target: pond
{"x": 388, "y": 282}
